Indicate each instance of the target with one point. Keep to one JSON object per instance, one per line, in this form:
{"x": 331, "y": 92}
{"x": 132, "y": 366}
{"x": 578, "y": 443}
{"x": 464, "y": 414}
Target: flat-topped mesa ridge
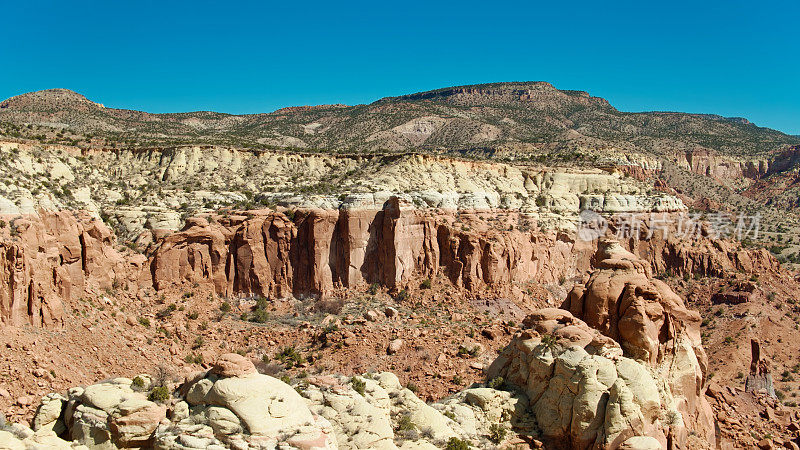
{"x": 451, "y": 119}
{"x": 536, "y": 95}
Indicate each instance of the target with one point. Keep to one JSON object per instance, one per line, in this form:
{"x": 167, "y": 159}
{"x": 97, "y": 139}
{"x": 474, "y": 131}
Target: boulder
{"x": 394, "y": 346}
{"x": 109, "y": 415}
{"x": 233, "y": 406}
{"x": 233, "y": 365}
{"x": 49, "y": 414}
{"x": 19, "y": 437}
{"x": 133, "y": 421}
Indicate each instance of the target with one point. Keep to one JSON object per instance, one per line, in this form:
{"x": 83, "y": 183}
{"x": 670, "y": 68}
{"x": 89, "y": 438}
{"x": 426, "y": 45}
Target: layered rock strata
{"x": 52, "y": 259}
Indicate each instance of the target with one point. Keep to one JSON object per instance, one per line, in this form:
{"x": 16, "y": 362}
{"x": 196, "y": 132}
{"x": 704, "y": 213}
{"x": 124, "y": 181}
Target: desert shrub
{"x": 426, "y": 284}
{"x": 158, "y": 394}
{"x": 358, "y": 385}
{"x": 549, "y": 341}
{"x": 405, "y": 423}
{"x": 198, "y": 342}
{"x": 411, "y": 386}
{"x": 457, "y": 444}
{"x": 138, "y": 382}
{"x": 468, "y": 352}
{"x": 259, "y": 316}
{"x": 160, "y": 377}
{"x": 144, "y": 321}
{"x": 331, "y": 305}
{"x": 290, "y": 357}
{"x": 497, "y": 383}
{"x": 225, "y": 307}
{"x": 402, "y": 296}
{"x": 194, "y": 359}
{"x": 497, "y": 433}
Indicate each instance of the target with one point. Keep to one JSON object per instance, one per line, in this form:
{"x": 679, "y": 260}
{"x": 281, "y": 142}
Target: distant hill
{"x": 463, "y": 118}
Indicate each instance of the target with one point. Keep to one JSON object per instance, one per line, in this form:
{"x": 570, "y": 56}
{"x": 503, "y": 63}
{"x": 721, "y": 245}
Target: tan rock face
{"x": 581, "y": 389}
{"x": 231, "y": 406}
{"x": 270, "y": 254}
{"x": 651, "y": 324}
{"x": 108, "y": 415}
{"x": 585, "y": 394}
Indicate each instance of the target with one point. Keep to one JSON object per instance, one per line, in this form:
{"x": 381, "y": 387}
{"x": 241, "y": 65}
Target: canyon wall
{"x": 268, "y": 254}
{"x": 317, "y": 251}
{"x": 55, "y": 257}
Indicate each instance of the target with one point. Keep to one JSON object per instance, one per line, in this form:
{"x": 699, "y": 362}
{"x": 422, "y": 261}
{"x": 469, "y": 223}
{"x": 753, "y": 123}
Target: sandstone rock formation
{"x": 163, "y": 185}
{"x": 652, "y": 325}
{"x": 269, "y": 254}
{"x": 232, "y": 406}
{"x": 375, "y": 411}
{"x": 759, "y": 380}
{"x": 20, "y": 437}
{"x": 51, "y": 259}
{"x": 583, "y": 392}
{"x": 108, "y": 415}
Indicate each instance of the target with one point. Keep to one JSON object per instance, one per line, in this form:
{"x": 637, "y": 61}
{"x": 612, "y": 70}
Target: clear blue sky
{"x": 733, "y": 58}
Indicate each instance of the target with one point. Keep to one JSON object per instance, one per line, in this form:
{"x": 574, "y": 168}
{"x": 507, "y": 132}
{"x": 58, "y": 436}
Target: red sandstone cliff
{"x": 57, "y": 256}
{"x": 52, "y": 259}
{"x": 266, "y": 253}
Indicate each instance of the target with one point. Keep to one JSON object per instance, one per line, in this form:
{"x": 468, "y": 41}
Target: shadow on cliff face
{"x": 371, "y": 270}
